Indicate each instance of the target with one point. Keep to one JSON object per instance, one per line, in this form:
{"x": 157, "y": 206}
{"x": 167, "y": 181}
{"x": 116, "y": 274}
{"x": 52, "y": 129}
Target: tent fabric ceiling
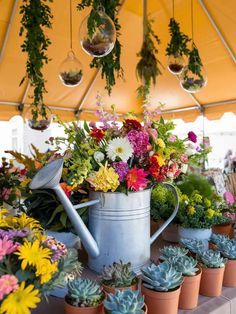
{"x": 219, "y": 64}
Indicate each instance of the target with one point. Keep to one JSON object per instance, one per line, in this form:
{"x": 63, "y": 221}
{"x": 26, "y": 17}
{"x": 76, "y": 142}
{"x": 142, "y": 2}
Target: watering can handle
{"x": 168, "y": 221}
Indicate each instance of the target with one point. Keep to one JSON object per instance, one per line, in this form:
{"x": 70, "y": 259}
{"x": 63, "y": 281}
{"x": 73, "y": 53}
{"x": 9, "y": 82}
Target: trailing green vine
{"x": 109, "y": 64}
{"x": 148, "y": 67}
{"x": 195, "y": 63}
{"x": 36, "y": 15}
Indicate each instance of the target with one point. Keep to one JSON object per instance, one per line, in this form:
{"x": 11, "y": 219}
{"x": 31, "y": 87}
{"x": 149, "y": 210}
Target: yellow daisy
{"x": 32, "y": 253}
{"x": 21, "y": 300}
{"x": 45, "y": 269}
{"x": 161, "y": 143}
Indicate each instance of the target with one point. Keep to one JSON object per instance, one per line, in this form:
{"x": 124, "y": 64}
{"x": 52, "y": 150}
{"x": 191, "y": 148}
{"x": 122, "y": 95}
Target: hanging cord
{"x": 144, "y": 19}
{"x": 192, "y": 20}
{"x": 71, "y": 48}
{"x": 173, "y": 9}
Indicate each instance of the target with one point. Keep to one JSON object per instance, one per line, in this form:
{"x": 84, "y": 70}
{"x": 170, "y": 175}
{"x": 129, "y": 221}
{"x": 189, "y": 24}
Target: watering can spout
{"x": 48, "y": 178}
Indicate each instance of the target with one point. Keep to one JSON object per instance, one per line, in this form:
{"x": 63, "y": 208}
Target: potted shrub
{"x": 84, "y": 296}
{"x": 228, "y": 249}
{"x": 119, "y": 276}
{"x": 169, "y": 251}
{"x": 187, "y": 265}
{"x": 125, "y": 302}
{"x": 161, "y": 288}
{"x": 213, "y": 267}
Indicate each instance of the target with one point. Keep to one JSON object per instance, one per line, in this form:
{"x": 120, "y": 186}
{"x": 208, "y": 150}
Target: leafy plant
{"x": 211, "y": 259}
{"x": 148, "y": 67}
{"x": 36, "y": 15}
{"x": 178, "y": 42}
{"x": 109, "y": 64}
{"x": 163, "y": 277}
{"x": 218, "y": 238}
{"x": 195, "y": 246}
{"x": 227, "y": 248}
{"x": 118, "y": 275}
{"x": 124, "y": 302}
{"x": 184, "y": 264}
{"x": 170, "y": 251}
{"x": 195, "y": 63}
{"x": 84, "y": 293}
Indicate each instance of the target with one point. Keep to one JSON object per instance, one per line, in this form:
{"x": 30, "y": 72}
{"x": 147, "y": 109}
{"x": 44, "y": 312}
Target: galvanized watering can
{"x": 119, "y": 224}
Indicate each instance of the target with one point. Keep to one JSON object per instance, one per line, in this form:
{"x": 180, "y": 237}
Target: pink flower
{"x": 192, "y": 137}
{"x": 184, "y": 158}
{"x": 7, "y": 247}
{"x": 173, "y": 170}
{"x": 152, "y": 133}
{"x": 139, "y": 141}
{"x": 228, "y": 196}
{"x": 8, "y": 283}
{"x": 136, "y": 179}
{"x": 172, "y": 138}
{"x": 6, "y": 194}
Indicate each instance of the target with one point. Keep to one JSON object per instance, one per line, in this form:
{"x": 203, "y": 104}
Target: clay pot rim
{"x": 212, "y": 269}
{"x": 86, "y": 307}
{"x": 153, "y": 292}
{"x": 145, "y": 308}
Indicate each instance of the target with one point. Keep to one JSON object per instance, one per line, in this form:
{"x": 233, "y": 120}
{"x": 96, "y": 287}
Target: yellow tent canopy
{"x": 214, "y": 35}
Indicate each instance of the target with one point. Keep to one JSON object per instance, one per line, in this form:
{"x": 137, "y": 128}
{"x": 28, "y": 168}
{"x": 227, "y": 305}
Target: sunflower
{"x": 32, "y": 253}
{"x": 21, "y": 300}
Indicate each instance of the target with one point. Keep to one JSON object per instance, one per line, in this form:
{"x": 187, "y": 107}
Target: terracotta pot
{"x": 161, "y": 302}
{"x": 155, "y": 225}
{"x": 70, "y": 309}
{"x": 231, "y": 234}
{"x": 188, "y": 298}
{"x": 144, "y": 308}
{"x": 224, "y": 229}
{"x": 230, "y": 274}
{"x": 211, "y": 281}
{"x": 171, "y": 233}
{"x": 109, "y": 289}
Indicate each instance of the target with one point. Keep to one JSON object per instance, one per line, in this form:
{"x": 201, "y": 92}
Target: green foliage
{"x": 118, "y": 275}
{"x": 227, "y": 248}
{"x": 211, "y": 259}
{"x": 184, "y": 264}
{"x": 169, "y": 251}
{"x": 109, "y": 64}
{"x": 178, "y": 42}
{"x": 218, "y": 238}
{"x": 124, "y": 302}
{"x": 36, "y": 15}
{"x": 195, "y": 246}
{"x": 84, "y": 293}
{"x": 195, "y": 62}
{"x": 148, "y": 67}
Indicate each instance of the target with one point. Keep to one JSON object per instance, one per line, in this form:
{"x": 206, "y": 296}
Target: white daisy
{"x": 119, "y": 147}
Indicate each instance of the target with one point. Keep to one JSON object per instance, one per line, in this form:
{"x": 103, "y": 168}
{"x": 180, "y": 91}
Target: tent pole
{"x": 7, "y": 33}
{"x": 226, "y": 45}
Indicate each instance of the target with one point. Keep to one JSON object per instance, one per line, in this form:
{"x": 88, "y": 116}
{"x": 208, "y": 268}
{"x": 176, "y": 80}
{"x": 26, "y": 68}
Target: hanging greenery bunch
{"x": 36, "y": 15}
{"x": 109, "y": 64}
{"x": 195, "y": 63}
{"x": 148, "y": 67}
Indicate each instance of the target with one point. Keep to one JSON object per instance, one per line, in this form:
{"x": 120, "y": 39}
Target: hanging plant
{"x": 176, "y": 48}
{"x": 107, "y": 52}
{"x": 36, "y": 15}
{"x": 148, "y": 67}
{"x": 193, "y": 77}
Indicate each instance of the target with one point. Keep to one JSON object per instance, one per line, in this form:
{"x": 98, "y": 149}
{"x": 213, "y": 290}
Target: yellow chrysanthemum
{"x": 207, "y": 202}
{"x": 161, "y": 143}
{"x": 45, "y": 269}
{"x": 160, "y": 160}
{"x": 210, "y": 213}
{"x": 25, "y": 182}
{"x": 191, "y": 210}
{"x": 32, "y": 253}
{"x": 21, "y": 300}
{"x": 25, "y": 221}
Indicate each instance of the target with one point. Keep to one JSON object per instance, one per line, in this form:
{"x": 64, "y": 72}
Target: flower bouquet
{"x": 31, "y": 264}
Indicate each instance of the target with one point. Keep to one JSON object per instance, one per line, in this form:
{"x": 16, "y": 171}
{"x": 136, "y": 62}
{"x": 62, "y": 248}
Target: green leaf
{"x": 58, "y": 210}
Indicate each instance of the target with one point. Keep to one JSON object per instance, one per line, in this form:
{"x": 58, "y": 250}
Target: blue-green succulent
{"x": 211, "y": 259}
{"x": 227, "y": 249}
{"x": 184, "y": 264}
{"x": 195, "y": 246}
{"x": 169, "y": 251}
{"x": 218, "y": 238}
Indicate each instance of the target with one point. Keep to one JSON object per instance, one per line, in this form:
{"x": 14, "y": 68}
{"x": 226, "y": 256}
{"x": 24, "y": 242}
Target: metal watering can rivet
{"x": 119, "y": 225}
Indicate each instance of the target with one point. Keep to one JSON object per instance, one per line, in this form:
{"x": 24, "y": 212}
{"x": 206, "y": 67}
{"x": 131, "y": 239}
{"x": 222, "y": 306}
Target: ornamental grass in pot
{"x": 161, "y": 288}
{"x": 119, "y": 276}
{"x": 213, "y": 267}
{"x": 84, "y": 296}
{"x": 125, "y": 302}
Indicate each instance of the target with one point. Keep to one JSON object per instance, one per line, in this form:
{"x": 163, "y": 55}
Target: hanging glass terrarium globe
{"x": 38, "y": 117}
{"x": 70, "y": 71}
{"x": 101, "y": 41}
{"x": 176, "y": 64}
{"x": 193, "y": 81}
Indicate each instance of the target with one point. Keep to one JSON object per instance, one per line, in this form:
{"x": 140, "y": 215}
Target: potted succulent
{"x": 187, "y": 265}
{"x": 161, "y": 288}
{"x": 176, "y": 48}
{"x": 213, "y": 267}
{"x": 228, "y": 250}
{"x": 119, "y": 276}
{"x": 71, "y": 78}
{"x": 169, "y": 251}
{"x": 193, "y": 245}
{"x": 125, "y": 302}
{"x": 84, "y": 296}
{"x": 215, "y": 239}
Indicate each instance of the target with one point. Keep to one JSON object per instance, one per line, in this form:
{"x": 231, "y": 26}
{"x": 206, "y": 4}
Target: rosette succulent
{"x": 118, "y": 275}
{"x": 163, "y": 277}
{"x": 124, "y": 302}
{"x": 227, "y": 249}
{"x": 84, "y": 293}
{"x": 169, "y": 251}
{"x": 184, "y": 264}
{"x": 195, "y": 246}
{"x": 212, "y": 259}
{"x": 218, "y": 238}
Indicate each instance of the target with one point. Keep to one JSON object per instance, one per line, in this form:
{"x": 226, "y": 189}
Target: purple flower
{"x": 58, "y": 249}
{"x": 139, "y": 141}
{"x": 122, "y": 169}
{"x": 192, "y": 137}
{"x": 172, "y": 138}
{"x": 10, "y": 234}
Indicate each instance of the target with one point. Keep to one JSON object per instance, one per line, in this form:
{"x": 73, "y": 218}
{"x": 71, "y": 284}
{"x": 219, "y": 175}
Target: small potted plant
{"x": 216, "y": 239}
{"x": 169, "y": 251}
{"x": 119, "y": 276}
{"x": 213, "y": 267}
{"x": 228, "y": 250}
{"x": 193, "y": 245}
{"x": 177, "y": 48}
{"x": 125, "y": 302}
{"x": 161, "y": 288}
{"x": 187, "y": 265}
{"x": 71, "y": 78}
{"x": 84, "y": 296}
